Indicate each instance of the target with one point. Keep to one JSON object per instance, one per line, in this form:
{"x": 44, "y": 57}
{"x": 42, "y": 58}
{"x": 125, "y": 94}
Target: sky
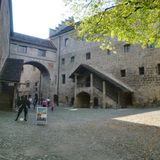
{"x": 35, "y": 17}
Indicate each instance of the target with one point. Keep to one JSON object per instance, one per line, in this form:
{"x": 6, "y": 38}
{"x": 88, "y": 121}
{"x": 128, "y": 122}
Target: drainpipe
{"x": 104, "y": 94}
{"x": 59, "y": 59}
{"x": 40, "y": 89}
{"x": 91, "y": 86}
{"x": 75, "y": 90}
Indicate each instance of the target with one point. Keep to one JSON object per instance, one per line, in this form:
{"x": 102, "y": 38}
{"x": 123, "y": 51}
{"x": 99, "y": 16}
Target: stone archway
{"x": 83, "y": 100}
{"x": 44, "y": 71}
{"x": 39, "y": 79}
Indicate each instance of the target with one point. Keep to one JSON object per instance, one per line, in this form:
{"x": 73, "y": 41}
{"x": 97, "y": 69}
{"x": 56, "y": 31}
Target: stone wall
{"x": 48, "y": 62}
{"x": 146, "y": 87}
{"x": 4, "y": 31}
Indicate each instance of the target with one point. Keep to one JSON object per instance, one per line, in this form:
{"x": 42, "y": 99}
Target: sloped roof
{"x": 11, "y": 71}
{"x": 32, "y": 40}
{"x": 64, "y": 30}
{"x": 106, "y": 77}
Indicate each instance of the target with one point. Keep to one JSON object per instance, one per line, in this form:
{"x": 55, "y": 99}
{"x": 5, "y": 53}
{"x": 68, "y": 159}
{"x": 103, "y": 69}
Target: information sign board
{"x": 41, "y": 115}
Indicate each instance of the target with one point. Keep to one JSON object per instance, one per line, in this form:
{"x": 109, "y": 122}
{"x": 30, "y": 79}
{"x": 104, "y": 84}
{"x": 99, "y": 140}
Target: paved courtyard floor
{"x": 82, "y": 134}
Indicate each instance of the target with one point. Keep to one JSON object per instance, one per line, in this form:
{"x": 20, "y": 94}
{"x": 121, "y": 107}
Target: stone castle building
{"x": 80, "y": 73}
{"x": 17, "y": 51}
{"x": 39, "y": 67}
{"x": 6, "y": 28}
{"x": 91, "y": 76}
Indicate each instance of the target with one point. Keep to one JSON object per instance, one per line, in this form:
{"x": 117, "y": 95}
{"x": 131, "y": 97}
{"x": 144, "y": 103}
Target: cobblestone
{"x": 82, "y": 134}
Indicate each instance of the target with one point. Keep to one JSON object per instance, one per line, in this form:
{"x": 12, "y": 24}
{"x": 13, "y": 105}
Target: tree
{"x": 132, "y": 21}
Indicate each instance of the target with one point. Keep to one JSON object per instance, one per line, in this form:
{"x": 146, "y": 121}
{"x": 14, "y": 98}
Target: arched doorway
{"x": 35, "y": 79}
{"x": 83, "y": 100}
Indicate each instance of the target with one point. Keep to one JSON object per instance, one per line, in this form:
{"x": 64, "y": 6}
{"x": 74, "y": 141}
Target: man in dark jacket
{"x": 23, "y": 106}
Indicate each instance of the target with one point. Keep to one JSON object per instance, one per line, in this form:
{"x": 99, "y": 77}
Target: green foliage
{"x": 132, "y": 21}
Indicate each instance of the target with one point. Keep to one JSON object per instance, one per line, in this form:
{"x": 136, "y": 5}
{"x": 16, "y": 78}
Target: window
{"x": 22, "y": 69}
{"x": 158, "y": 68}
{"x": 88, "y": 55}
{"x": 0, "y": 4}
{"x": 151, "y": 45}
{"x": 41, "y": 53}
{"x": 83, "y": 39}
{"x": 127, "y": 48}
{"x": 36, "y": 89}
{"x": 66, "y": 41}
{"x": 36, "y": 83}
{"x": 63, "y": 78}
{"x": 72, "y": 59}
{"x": 22, "y": 49}
{"x": 63, "y": 61}
{"x": 123, "y": 73}
{"x": 108, "y": 51}
{"x": 141, "y": 70}
{"x": 55, "y": 79}
{"x": 27, "y": 84}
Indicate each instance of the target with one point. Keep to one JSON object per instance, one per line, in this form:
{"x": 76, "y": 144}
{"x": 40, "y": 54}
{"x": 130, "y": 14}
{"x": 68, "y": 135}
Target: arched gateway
{"x": 40, "y": 55}
{"x": 40, "y": 79}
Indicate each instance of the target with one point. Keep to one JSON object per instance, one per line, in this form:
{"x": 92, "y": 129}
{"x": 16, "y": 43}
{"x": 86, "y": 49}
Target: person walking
{"x": 29, "y": 101}
{"x": 52, "y": 105}
{"x": 23, "y": 106}
{"x": 35, "y": 100}
{"x": 48, "y": 102}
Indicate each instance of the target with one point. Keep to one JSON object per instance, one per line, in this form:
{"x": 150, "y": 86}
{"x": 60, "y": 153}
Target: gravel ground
{"x": 83, "y": 134}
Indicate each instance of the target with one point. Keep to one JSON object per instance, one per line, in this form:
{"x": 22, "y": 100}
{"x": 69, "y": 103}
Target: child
{"x": 52, "y": 105}
{"x": 44, "y": 103}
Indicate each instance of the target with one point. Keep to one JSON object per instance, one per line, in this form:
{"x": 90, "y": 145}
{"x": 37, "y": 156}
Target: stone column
{"x": 75, "y": 88}
{"x": 104, "y": 94}
{"x": 91, "y": 86}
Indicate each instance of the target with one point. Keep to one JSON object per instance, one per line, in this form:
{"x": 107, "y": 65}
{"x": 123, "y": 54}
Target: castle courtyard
{"x": 82, "y": 134}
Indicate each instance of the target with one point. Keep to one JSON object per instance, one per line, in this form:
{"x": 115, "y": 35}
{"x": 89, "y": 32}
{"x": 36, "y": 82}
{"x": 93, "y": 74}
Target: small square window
{"x": 72, "y": 59}
{"x": 141, "y": 70}
{"x": 55, "y": 79}
{"x": 27, "y": 84}
{"x": 66, "y": 41}
{"x": 151, "y": 46}
{"x": 108, "y": 51}
{"x": 83, "y": 39}
{"x": 63, "y": 78}
{"x": 88, "y": 55}
{"x": 123, "y": 73}
{"x": 41, "y": 53}
{"x": 158, "y": 68}
{"x": 22, "y": 49}
{"x": 127, "y": 48}
{"x": 63, "y": 61}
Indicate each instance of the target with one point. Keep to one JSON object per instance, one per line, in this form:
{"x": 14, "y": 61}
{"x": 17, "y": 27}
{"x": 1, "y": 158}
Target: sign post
{"x": 41, "y": 115}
